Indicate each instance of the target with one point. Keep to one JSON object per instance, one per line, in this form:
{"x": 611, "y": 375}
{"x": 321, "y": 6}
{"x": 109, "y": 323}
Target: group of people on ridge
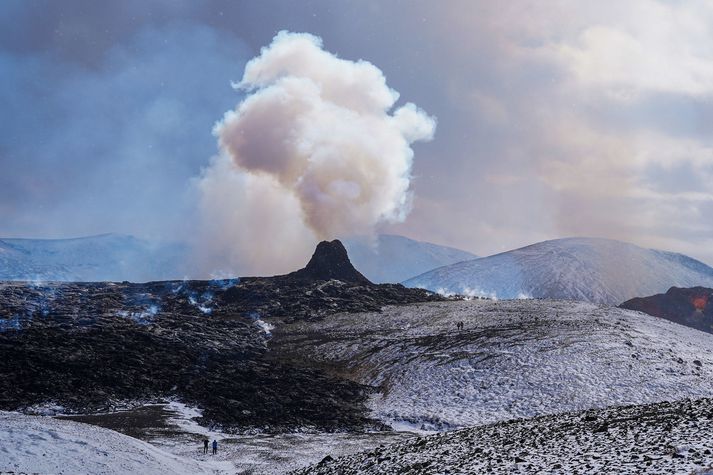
{"x": 205, "y": 446}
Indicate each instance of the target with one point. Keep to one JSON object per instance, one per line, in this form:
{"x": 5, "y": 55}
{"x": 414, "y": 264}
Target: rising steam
{"x": 313, "y": 151}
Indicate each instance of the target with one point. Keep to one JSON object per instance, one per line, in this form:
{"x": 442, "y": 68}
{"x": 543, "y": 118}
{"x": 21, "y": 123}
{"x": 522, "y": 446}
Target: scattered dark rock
{"x": 565, "y": 445}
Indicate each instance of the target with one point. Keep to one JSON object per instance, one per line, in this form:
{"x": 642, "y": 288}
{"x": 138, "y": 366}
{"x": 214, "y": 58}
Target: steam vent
{"x": 330, "y": 261}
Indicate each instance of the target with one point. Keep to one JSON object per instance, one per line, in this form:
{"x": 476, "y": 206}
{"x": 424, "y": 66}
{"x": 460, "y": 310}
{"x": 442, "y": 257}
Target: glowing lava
{"x": 700, "y": 302}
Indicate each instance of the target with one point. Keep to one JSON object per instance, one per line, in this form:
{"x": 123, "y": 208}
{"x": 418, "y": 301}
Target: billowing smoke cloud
{"x": 314, "y": 151}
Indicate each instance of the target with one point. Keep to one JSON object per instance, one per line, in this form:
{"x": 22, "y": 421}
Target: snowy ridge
{"x": 660, "y": 438}
{"x": 588, "y": 269}
{"x": 37, "y": 444}
{"x": 106, "y": 257}
{"x": 393, "y": 258}
{"x": 519, "y": 358}
{"x": 117, "y": 257}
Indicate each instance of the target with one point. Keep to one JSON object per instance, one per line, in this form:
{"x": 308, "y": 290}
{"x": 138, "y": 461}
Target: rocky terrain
{"x": 692, "y": 307}
{"x": 511, "y": 359}
{"x": 662, "y": 438}
{"x": 272, "y": 366}
{"x": 91, "y": 347}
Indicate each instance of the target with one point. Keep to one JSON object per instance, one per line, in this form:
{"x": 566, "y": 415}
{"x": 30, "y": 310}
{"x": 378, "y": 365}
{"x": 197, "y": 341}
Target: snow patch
{"x": 264, "y": 326}
{"x": 36, "y": 444}
{"x": 185, "y": 418}
{"x": 142, "y": 317}
{"x": 45, "y": 409}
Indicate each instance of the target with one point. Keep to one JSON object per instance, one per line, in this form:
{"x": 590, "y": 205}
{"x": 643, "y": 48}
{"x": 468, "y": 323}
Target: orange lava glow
{"x": 700, "y": 302}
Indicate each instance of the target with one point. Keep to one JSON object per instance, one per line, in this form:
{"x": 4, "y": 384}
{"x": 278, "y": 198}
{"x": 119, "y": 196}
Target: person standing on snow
{"x": 215, "y": 447}
{"x": 205, "y": 446}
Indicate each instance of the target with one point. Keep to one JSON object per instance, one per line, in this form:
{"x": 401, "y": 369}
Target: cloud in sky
{"x": 555, "y": 118}
{"x": 570, "y": 108}
{"x": 315, "y": 144}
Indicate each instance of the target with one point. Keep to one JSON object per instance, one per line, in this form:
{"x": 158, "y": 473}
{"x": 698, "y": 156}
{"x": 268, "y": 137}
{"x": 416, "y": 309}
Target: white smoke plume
{"x": 314, "y": 151}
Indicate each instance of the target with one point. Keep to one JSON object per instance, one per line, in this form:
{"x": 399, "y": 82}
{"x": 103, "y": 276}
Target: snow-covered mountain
{"x": 393, "y": 258}
{"x": 114, "y": 257}
{"x": 588, "y": 269}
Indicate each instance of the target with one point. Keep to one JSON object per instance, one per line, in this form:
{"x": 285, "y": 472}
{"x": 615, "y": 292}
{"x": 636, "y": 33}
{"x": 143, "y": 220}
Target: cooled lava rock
{"x": 94, "y": 346}
{"x": 330, "y": 261}
{"x": 692, "y": 307}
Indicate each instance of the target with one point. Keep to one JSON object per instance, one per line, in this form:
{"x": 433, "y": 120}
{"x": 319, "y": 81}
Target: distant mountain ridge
{"x": 393, "y": 258}
{"x": 104, "y": 257}
{"x": 588, "y": 269}
{"x": 119, "y": 257}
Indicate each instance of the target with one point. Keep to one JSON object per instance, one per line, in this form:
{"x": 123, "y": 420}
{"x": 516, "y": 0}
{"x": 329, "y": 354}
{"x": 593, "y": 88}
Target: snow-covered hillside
{"x": 113, "y": 257}
{"x": 393, "y": 258}
{"x": 517, "y": 358}
{"x": 588, "y": 269}
{"x": 662, "y": 438}
{"x": 37, "y": 444}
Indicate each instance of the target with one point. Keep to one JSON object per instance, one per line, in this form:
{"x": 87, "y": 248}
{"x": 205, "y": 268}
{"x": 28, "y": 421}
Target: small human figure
{"x": 215, "y": 447}
{"x": 205, "y": 446}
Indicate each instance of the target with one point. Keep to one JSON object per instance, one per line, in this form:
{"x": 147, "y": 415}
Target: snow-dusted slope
{"x": 394, "y": 258}
{"x": 589, "y": 269}
{"x": 663, "y": 438}
{"x": 516, "y": 358}
{"x": 37, "y": 444}
{"x": 112, "y": 257}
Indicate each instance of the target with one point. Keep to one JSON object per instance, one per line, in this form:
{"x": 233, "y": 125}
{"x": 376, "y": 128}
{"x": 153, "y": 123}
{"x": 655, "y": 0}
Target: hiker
{"x": 205, "y": 446}
{"x": 215, "y": 447}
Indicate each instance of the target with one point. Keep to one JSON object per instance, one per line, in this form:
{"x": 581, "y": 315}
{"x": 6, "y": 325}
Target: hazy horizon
{"x": 524, "y": 127}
